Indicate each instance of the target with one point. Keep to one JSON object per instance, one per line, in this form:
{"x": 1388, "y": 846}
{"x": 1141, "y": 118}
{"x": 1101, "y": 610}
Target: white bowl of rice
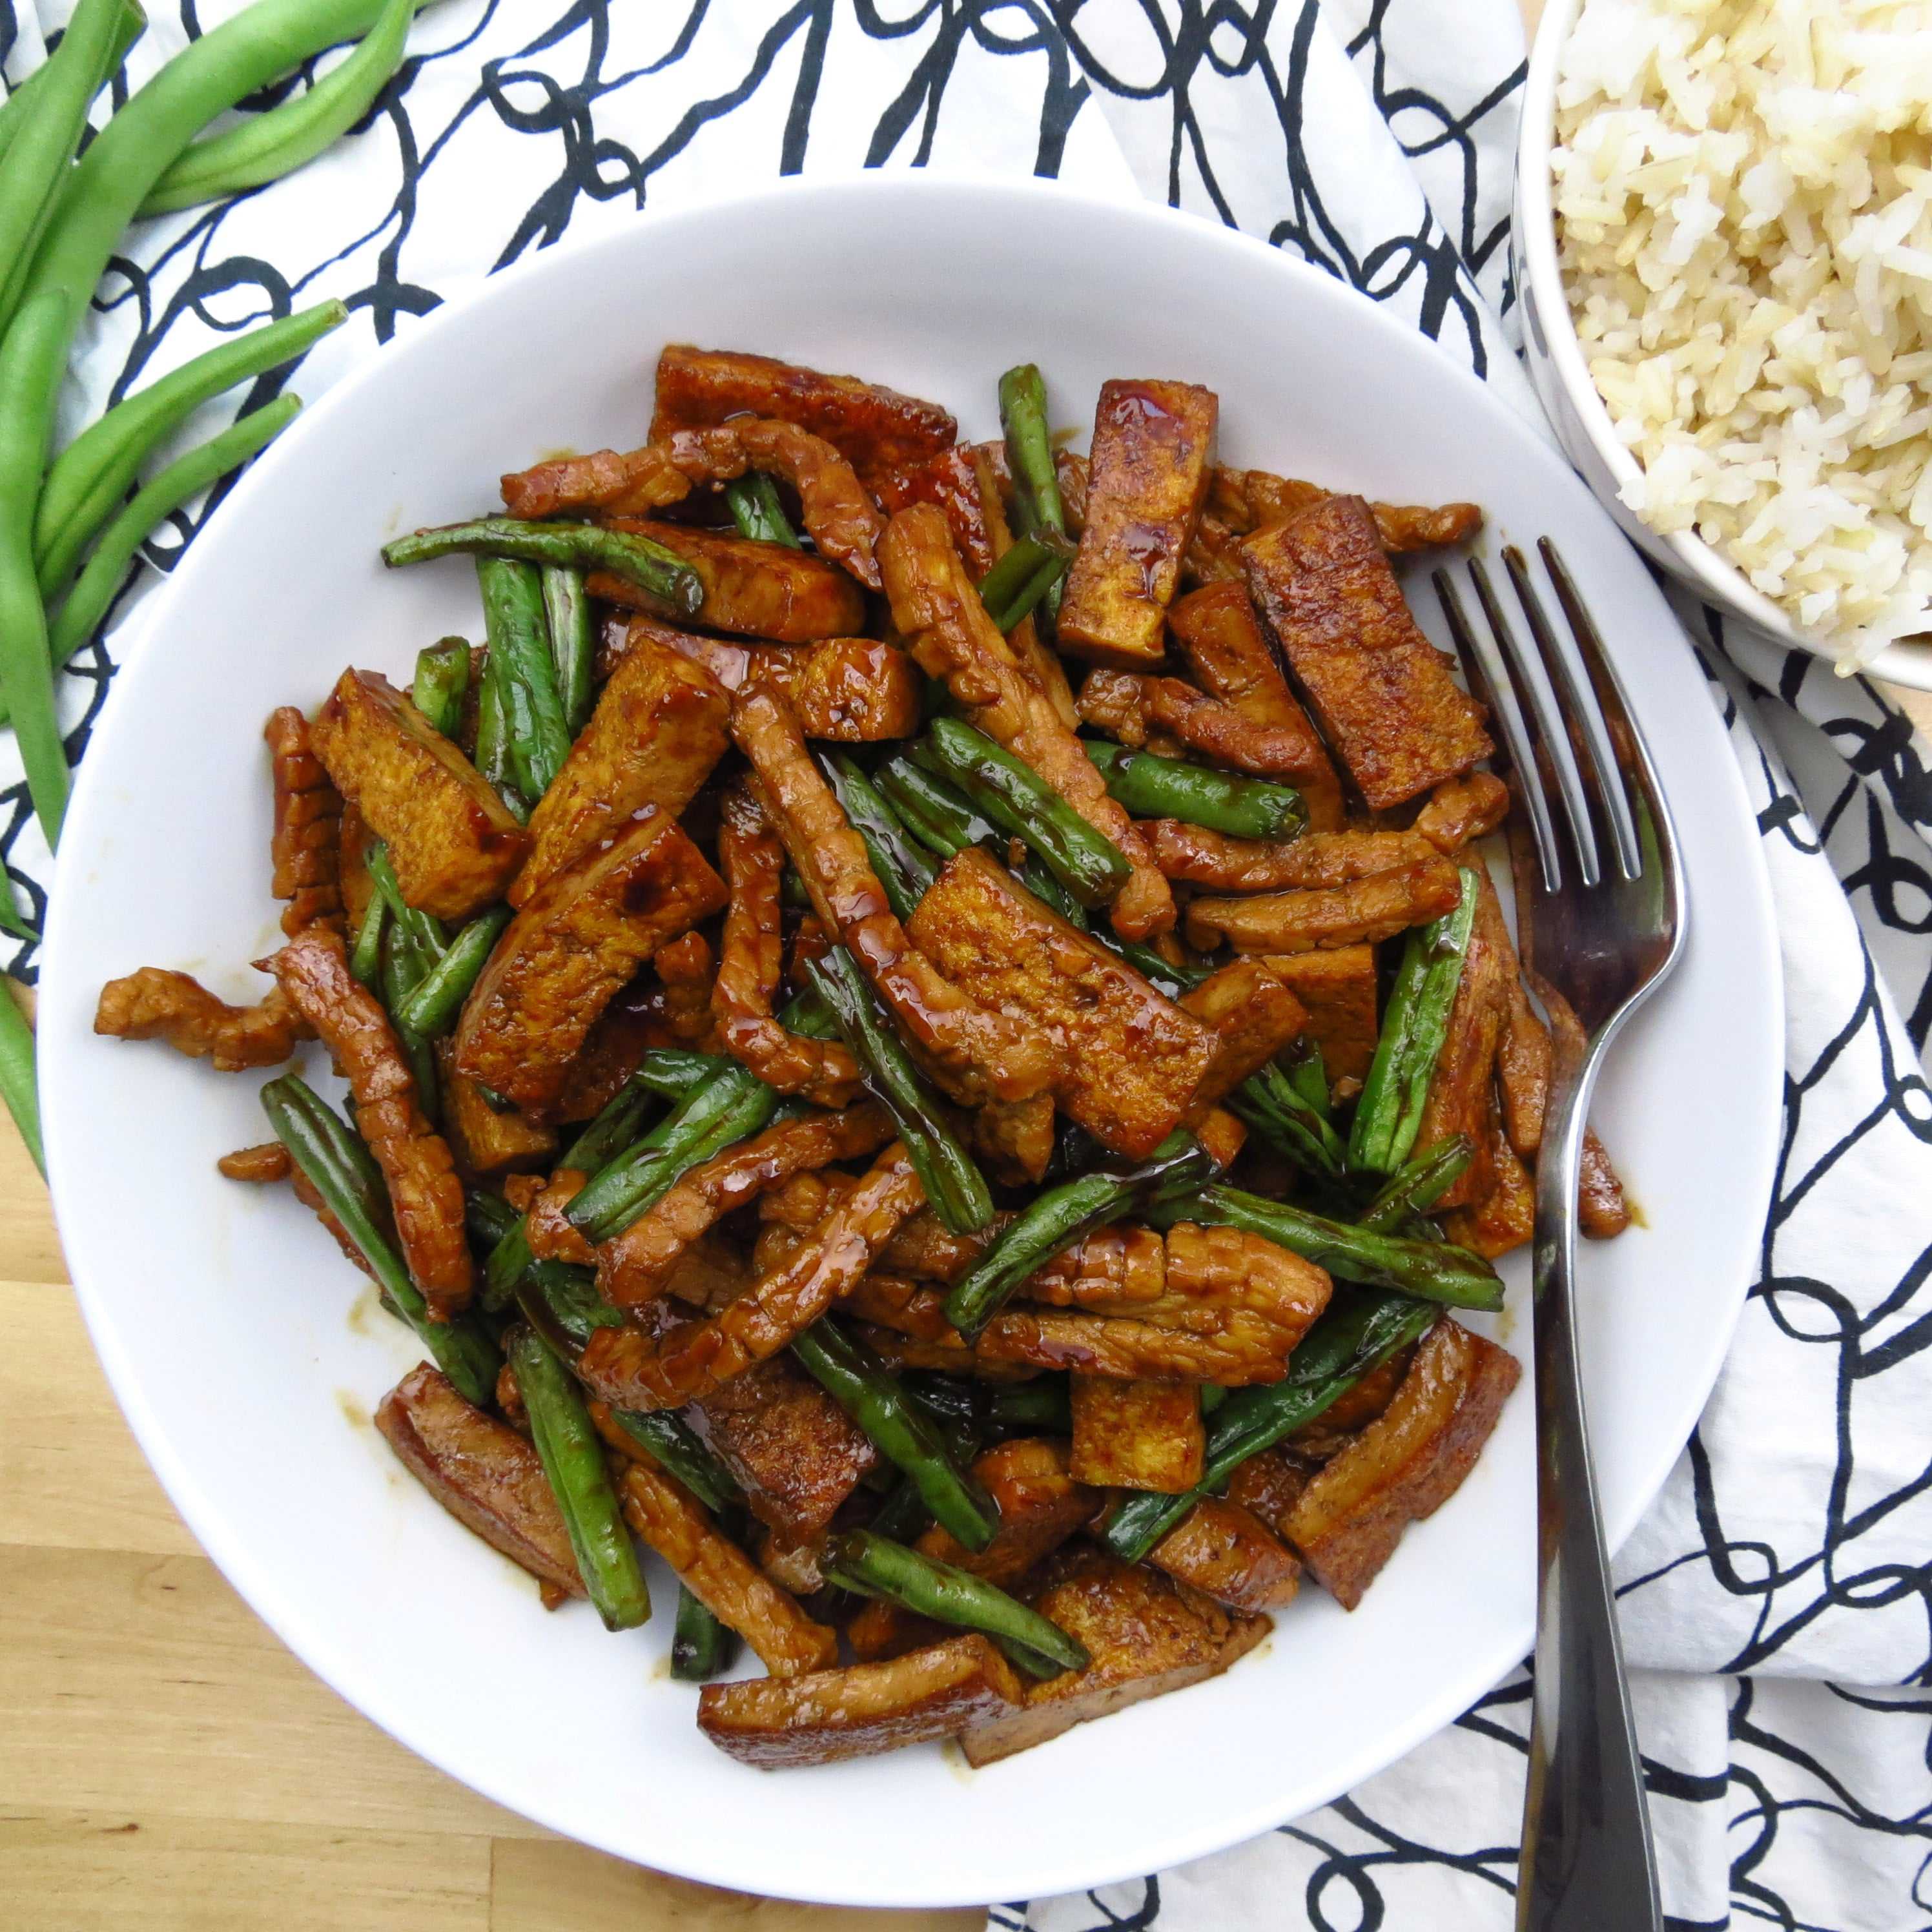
{"x": 1722, "y": 246}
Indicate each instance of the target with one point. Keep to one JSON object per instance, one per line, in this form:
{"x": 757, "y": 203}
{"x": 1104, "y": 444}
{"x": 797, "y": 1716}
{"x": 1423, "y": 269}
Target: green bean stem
{"x": 572, "y": 1454}
{"x": 757, "y": 512}
{"x": 701, "y": 1647}
{"x": 1054, "y": 1220}
{"x": 19, "y": 1085}
{"x": 519, "y": 633}
{"x": 855, "y": 1378}
{"x": 573, "y": 643}
{"x": 441, "y": 683}
{"x": 639, "y": 560}
{"x": 903, "y": 870}
{"x": 1155, "y": 787}
{"x": 430, "y": 1011}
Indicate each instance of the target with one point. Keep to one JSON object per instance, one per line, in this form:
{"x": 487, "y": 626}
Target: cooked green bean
{"x": 1030, "y": 569}
{"x": 425, "y": 931}
{"x": 858, "y": 1560}
{"x": 1415, "y": 1024}
{"x": 1018, "y": 800}
{"x": 487, "y": 1218}
{"x": 1053, "y": 1221}
{"x": 903, "y": 1514}
{"x": 405, "y": 967}
{"x": 430, "y": 1011}
{"x": 1155, "y": 787}
{"x": 1352, "y": 1336}
{"x": 572, "y": 1454}
{"x": 661, "y": 572}
{"x": 18, "y": 1085}
{"x": 1271, "y": 1103}
{"x": 1415, "y": 1186}
{"x": 701, "y": 1647}
{"x": 1029, "y": 447}
{"x": 573, "y": 644}
{"x": 320, "y": 1145}
{"x": 365, "y": 957}
{"x": 903, "y": 869}
{"x": 560, "y": 1301}
{"x": 1309, "y": 1077}
{"x": 269, "y": 146}
{"x": 670, "y": 1442}
{"x": 526, "y": 672}
{"x": 941, "y": 818}
{"x": 441, "y": 683}
{"x": 674, "y": 1072}
{"x": 954, "y": 1185}
{"x": 757, "y": 511}
{"x": 868, "y": 1392}
{"x": 493, "y": 759}
{"x": 1435, "y": 1271}
{"x": 612, "y": 1128}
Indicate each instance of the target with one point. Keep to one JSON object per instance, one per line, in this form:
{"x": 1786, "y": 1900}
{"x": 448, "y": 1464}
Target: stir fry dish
{"x": 925, "y": 1036}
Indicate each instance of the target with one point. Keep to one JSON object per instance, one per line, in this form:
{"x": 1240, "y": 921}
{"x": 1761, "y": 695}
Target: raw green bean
{"x": 758, "y": 511}
{"x": 1415, "y": 1186}
{"x": 572, "y": 1454}
{"x": 1353, "y": 1335}
{"x": 1017, "y": 799}
{"x": 639, "y": 560}
{"x": 12, "y": 919}
{"x": 1029, "y": 570}
{"x": 94, "y": 589}
{"x": 870, "y": 1564}
{"x": 267, "y": 146}
{"x": 19, "y": 1086}
{"x": 90, "y": 477}
{"x": 868, "y": 1391}
{"x": 132, "y": 24}
{"x": 673, "y": 1072}
{"x": 1415, "y": 1024}
{"x": 492, "y": 740}
{"x": 425, "y": 931}
{"x": 952, "y": 1179}
{"x": 365, "y": 960}
{"x": 441, "y": 683}
{"x": 1155, "y": 787}
{"x": 430, "y": 1011}
{"x": 904, "y": 871}
{"x": 1270, "y": 1103}
{"x": 670, "y": 1442}
{"x": 941, "y": 818}
{"x": 1053, "y": 1221}
{"x": 573, "y": 643}
{"x": 319, "y": 1143}
{"x": 701, "y": 1647}
{"x": 1435, "y": 1271}
{"x": 519, "y": 633}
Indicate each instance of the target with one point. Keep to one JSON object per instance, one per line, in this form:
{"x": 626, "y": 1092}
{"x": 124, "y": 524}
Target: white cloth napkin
{"x": 1777, "y": 1596}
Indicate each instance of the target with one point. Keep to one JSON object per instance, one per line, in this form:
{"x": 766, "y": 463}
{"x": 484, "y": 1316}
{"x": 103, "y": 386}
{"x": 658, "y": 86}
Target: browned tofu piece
{"x": 1255, "y": 1014}
{"x": 576, "y": 941}
{"x": 862, "y": 1710}
{"x": 1130, "y": 1061}
{"x": 721, "y": 1576}
{"x": 455, "y": 846}
{"x": 352, "y": 865}
{"x": 876, "y": 429}
{"x": 1380, "y": 690}
{"x": 483, "y": 1141}
{"x": 1137, "y": 1435}
{"x": 480, "y": 1470}
{"x": 1228, "y": 1553}
{"x": 1269, "y": 1486}
{"x": 1407, "y": 1463}
{"x": 1338, "y": 988}
{"x": 1144, "y": 1633}
{"x": 751, "y": 590}
{"x": 1014, "y": 1138}
{"x": 1362, "y": 911}
{"x": 1147, "y": 476}
{"x": 795, "y": 1452}
{"x": 658, "y": 730}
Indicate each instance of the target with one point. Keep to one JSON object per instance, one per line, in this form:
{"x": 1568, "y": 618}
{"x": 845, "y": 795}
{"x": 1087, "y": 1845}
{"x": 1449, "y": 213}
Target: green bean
{"x": 674, "y": 1072}
{"x": 1308, "y": 1076}
{"x": 560, "y": 1301}
{"x": 573, "y": 644}
{"x": 1270, "y": 1103}
{"x": 1352, "y": 1336}
{"x": 425, "y": 932}
{"x": 319, "y": 1144}
{"x": 487, "y": 1218}
{"x": 93, "y": 590}
{"x": 1415, "y": 1024}
{"x": 1434, "y": 1271}
{"x": 572, "y": 1454}
{"x": 940, "y": 818}
{"x": 757, "y": 511}
{"x": 130, "y": 25}
{"x": 1053, "y": 1221}
{"x": 1415, "y": 1186}
{"x": 1017, "y": 799}
{"x": 519, "y": 633}
{"x": 41, "y": 154}
{"x": 430, "y": 1011}
{"x": 12, "y": 919}
{"x": 1012, "y": 1409}
{"x": 701, "y": 1647}
{"x": 492, "y": 740}
{"x": 1030, "y": 569}
{"x": 670, "y": 1442}
{"x": 405, "y": 967}
{"x": 952, "y": 1179}
{"x": 858, "y": 1560}
{"x": 612, "y": 1128}
{"x": 903, "y": 1514}
{"x": 365, "y": 958}
{"x": 868, "y": 1391}
{"x": 639, "y": 560}
{"x": 904, "y": 871}
{"x": 1154, "y": 787}
{"x": 267, "y": 146}
{"x": 90, "y": 477}
{"x": 19, "y": 1086}
{"x": 1030, "y": 446}
{"x": 441, "y": 683}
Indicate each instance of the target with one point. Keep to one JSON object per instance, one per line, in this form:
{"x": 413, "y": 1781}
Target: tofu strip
{"x": 974, "y": 1052}
{"x": 753, "y": 960}
{"x": 680, "y": 1360}
{"x": 833, "y": 502}
{"x": 936, "y": 607}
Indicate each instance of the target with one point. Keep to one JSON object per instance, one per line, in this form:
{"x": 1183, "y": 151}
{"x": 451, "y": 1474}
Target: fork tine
{"x": 1585, "y": 715}
{"x": 1555, "y": 745}
{"x": 1489, "y": 678}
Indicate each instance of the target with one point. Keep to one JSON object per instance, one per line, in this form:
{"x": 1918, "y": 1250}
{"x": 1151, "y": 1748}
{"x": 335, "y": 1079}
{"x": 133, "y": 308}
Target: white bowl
{"x": 234, "y": 1333}
{"x": 1570, "y": 396}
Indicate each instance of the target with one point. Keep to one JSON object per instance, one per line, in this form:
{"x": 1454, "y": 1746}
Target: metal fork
{"x": 1600, "y": 914}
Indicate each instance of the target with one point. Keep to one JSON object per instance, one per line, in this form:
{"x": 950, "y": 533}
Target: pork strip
{"x": 153, "y": 1003}
{"x": 265, "y": 1163}
{"x": 1041, "y": 665}
{"x": 1132, "y": 705}
{"x": 949, "y": 482}
{"x": 752, "y": 589}
{"x": 1459, "y": 1100}
{"x": 1250, "y": 500}
{"x": 306, "y": 844}
{"x": 1503, "y": 1217}
{"x": 1225, "y": 864}
{"x": 1461, "y": 810}
{"x": 1367, "y": 910}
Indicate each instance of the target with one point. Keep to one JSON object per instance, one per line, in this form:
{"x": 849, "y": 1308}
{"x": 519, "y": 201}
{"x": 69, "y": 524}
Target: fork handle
{"x": 1587, "y": 1864}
